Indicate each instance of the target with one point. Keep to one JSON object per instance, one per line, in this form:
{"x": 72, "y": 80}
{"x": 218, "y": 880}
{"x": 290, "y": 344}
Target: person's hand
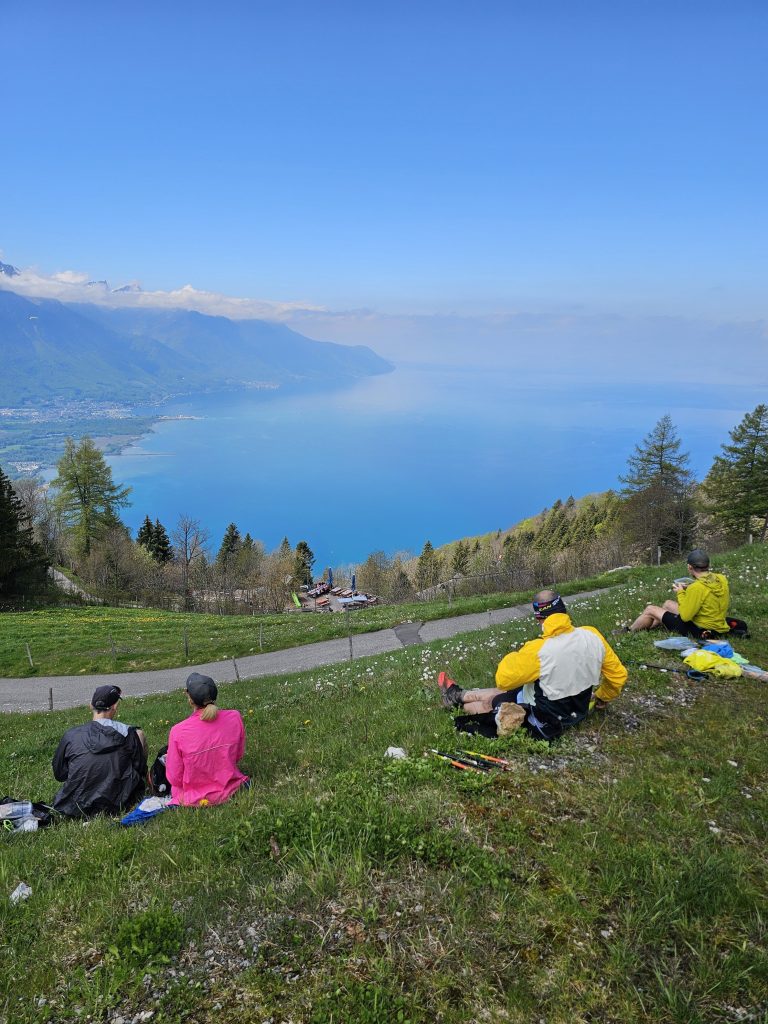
{"x": 677, "y": 587}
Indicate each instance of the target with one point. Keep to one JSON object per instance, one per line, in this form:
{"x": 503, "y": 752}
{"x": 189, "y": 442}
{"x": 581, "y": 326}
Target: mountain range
{"x": 54, "y": 351}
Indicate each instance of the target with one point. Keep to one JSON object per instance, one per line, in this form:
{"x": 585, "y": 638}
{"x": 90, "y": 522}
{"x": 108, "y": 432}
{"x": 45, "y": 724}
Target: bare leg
{"x": 479, "y": 702}
{"x": 651, "y": 617}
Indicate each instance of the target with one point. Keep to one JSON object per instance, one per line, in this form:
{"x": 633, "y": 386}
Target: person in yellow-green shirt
{"x": 548, "y": 685}
{"x": 701, "y": 605}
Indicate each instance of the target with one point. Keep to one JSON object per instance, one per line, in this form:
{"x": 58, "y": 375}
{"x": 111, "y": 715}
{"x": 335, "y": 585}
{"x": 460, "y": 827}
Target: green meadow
{"x": 618, "y": 875}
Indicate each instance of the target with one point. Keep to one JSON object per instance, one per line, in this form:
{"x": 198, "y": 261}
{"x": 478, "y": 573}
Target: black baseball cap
{"x": 201, "y": 689}
{"x": 104, "y": 697}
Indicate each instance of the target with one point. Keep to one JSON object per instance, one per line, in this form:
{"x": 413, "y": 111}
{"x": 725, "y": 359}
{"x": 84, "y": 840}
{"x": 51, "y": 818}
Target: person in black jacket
{"x": 102, "y": 764}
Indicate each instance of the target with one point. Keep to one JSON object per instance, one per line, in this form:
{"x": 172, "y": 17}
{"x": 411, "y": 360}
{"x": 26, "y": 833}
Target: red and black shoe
{"x": 451, "y": 695}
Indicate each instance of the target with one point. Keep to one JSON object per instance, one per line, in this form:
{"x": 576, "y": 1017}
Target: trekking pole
{"x": 460, "y": 762}
{"x": 495, "y": 761}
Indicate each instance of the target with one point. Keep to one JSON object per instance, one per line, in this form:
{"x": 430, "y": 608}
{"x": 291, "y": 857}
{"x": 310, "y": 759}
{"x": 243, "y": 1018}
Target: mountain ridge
{"x": 73, "y": 351}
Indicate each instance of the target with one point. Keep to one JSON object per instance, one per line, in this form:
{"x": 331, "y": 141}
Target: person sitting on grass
{"x": 103, "y": 764}
{"x": 547, "y": 686}
{"x": 203, "y": 750}
{"x": 701, "y": 605}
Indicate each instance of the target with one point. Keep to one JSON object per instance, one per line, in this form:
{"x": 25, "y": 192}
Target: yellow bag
{"x": 713, "y": 664}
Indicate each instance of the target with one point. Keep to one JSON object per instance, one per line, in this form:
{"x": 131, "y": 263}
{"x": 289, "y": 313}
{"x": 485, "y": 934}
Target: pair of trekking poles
{"x": 472, "y": 761}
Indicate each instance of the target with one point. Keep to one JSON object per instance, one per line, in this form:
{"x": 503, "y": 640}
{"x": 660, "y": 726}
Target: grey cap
{"x": 698, "y": 558}
{"x": 201, "y": 689}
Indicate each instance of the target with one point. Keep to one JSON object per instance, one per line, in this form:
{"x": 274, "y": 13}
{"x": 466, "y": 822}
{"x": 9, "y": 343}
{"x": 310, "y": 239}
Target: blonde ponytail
{"x": 209, "y": 713}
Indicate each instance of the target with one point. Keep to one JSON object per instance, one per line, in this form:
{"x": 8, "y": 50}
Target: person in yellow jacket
{"x": 701, "y": 605}
{"x": 551, "y": 679}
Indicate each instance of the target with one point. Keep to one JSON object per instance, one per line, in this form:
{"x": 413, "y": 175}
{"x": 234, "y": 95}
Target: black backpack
{"x": 157, "y": 777}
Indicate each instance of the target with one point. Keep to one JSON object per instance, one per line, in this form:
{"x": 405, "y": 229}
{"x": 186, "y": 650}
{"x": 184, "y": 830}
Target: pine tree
{"x": 736, "y": 488}
{"x": 161, "y": 544}
{"x": 302, "y": 564}
{"x": 658, "y": 489}
{"x": 460, "y": 558}
{"x": 230, "y": 545}
{"x": 146, "y": 534}
{"x": 23, "y": 564}
{"x": 87, "y": 499}
{"x": 427, "y": 567}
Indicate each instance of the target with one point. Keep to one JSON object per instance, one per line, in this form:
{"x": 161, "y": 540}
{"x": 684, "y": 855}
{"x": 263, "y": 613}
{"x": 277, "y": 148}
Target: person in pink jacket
{"x": 204, "y": 749}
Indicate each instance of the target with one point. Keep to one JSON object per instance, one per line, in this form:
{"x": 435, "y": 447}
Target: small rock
{"x": 734, "y": 764}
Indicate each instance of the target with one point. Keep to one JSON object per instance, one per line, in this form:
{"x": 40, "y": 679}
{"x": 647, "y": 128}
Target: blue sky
{"x": 406, "y": 158}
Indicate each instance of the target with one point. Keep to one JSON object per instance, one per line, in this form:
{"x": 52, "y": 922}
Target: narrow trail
{"x": 34, "y": 693}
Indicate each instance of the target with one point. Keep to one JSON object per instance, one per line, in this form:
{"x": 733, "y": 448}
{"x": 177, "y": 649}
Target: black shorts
{"x": 675, "y": 624}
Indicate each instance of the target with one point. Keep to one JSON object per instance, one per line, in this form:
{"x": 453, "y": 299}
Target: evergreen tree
{"x": 302, "y": 564}
{"x": 230, "y": 545}
{"x": 23, "y": 564}
{"x": 658, "y": 489}
{"x": 427, "y": 567}
{"x": 736, "y": 488}
{"x": 460, "y": 558}
{"x": 284, "y": 551}
{"x": 87, "y": 499}
{"x": 161, "y": 544}
{"x": 154, "y": 537}
{"x": 146, "y": 534}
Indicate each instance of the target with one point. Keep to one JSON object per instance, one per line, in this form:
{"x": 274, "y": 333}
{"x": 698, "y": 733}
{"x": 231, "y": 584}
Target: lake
{"x": 391, "y": 461}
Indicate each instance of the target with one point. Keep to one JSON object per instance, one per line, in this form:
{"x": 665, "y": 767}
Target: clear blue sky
{"x": 404, "y": 156}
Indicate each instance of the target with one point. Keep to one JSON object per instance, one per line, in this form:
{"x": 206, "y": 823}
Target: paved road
{"x": 34, "y": 694}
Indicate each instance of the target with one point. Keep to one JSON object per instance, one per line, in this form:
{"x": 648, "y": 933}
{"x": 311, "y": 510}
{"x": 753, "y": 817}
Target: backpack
{"x": 738, "y": 628}
{"x": 157, "y": 777}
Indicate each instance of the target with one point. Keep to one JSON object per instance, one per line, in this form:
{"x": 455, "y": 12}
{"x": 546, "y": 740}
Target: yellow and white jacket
{"x": 565, "y": 661}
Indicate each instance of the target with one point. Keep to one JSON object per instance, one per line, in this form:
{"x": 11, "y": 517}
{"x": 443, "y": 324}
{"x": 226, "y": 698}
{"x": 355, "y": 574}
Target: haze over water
{"x": 421, "y": 453}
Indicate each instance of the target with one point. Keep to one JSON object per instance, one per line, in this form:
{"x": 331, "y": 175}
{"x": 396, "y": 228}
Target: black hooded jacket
{"x": 103, "y": 771}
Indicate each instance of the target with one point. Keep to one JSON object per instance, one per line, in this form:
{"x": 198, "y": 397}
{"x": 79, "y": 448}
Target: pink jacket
{"x": 202, "y": 758}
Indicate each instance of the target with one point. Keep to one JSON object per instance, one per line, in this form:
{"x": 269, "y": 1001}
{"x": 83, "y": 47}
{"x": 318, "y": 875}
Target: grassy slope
{"x": 616, "y": 876}
{"x": 67, "y": 641}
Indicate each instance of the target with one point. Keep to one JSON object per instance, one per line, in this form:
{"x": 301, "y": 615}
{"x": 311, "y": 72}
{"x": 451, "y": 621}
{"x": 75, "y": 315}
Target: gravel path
{"x": 34, "y": 694}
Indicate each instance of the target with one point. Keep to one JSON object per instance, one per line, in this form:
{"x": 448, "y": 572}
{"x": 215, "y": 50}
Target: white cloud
{"x": 70, "y": 277}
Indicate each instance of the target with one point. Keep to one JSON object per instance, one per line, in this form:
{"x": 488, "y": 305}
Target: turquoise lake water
{"x": 392, "y": 461}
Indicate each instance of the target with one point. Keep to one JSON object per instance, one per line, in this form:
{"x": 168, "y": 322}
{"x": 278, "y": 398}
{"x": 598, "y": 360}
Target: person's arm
{"x": 60, "y": 761}
{"x": 174, "y": 765}
{"x": 613, "y": 675}
{"x": 689, "y": 601}
{"x": 519, "y": 667}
